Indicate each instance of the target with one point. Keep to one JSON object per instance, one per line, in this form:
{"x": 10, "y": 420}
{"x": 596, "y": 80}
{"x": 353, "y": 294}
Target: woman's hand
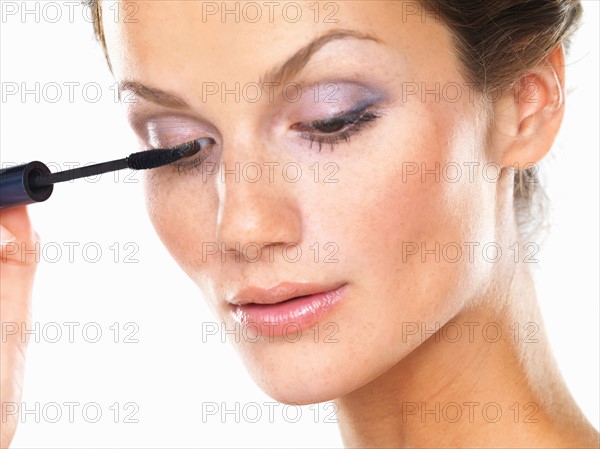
{"x": 19, "y": 254}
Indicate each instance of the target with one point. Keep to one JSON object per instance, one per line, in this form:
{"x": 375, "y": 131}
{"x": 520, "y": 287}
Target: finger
{"x": 16, "y": 284}
{"x": 6, "y": 236}
{"x": 21, "y": 245}
{"x": 16, "y": 220}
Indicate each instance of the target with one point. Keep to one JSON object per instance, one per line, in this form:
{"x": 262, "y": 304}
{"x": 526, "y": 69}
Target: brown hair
{"x": 497, "y": 41}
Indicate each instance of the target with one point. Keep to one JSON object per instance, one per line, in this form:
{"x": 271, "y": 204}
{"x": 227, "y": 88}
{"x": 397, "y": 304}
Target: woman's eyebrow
{"x": 296, "y": 63}
{"x": 152, "y": 94}
{"x": 276, "y": 76}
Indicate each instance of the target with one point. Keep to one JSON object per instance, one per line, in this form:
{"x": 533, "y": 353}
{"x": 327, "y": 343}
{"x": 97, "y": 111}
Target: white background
{"x": 170, "y": 372}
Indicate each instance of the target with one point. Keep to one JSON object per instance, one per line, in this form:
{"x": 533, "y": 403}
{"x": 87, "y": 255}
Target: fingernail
{"x": 6, "y": 236}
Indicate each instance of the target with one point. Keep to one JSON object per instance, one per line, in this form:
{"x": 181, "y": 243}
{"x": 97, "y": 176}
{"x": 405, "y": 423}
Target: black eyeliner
{"x": 353, "y": 120}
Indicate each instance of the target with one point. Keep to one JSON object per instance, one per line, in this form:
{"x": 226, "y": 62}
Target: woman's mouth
{"x": 286, "y": 309}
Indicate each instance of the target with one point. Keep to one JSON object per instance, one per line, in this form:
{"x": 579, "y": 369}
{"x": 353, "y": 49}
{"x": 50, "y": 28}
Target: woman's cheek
{"x": 398, "y": 221}
{"x": 179, "y": 208}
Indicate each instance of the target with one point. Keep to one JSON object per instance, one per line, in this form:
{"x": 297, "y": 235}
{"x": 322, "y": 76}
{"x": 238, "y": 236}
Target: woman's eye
{"x": 333, "y": 130}
{"x": 187, "y": 165}
{"x": 330, "y": 126}
{"x": 330, "y": 131}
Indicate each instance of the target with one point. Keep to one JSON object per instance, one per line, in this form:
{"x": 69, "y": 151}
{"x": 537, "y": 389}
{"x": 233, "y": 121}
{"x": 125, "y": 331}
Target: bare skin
{"x": 385, "y": 374}
{"x": 17, "y": 273}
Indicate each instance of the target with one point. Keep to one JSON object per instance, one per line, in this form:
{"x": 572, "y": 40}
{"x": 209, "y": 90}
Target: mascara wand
{"x": 33, "y": 182}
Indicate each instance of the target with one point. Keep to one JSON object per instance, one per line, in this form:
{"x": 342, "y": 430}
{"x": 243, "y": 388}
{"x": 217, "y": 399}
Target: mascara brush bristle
{"x": 157, "y": 158}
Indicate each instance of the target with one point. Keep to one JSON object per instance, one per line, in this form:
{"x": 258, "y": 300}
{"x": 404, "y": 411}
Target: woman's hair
{"x": 497, "y": 41}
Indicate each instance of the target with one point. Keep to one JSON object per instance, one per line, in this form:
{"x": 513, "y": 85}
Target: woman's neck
{"x": 485, "y": 379}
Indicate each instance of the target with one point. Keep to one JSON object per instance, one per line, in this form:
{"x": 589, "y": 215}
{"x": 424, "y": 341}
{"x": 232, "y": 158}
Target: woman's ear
{"x": 527, "y": 118}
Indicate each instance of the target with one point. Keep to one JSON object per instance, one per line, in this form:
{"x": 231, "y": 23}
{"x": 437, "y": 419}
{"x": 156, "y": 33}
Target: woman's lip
{"x": 289, "y": 316}
{"x": 283, "y": 291}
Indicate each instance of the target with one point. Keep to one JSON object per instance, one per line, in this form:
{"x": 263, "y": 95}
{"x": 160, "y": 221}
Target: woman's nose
{"x": 257, "y": 206}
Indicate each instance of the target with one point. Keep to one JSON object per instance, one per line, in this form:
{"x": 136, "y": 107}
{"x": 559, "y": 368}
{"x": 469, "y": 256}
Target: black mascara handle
{"x": 16, "y": 185}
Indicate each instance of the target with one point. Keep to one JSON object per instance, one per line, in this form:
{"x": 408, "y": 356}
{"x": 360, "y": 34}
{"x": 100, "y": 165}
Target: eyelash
{"x": 183, "y": 166}
{"x": 350, "y": 123}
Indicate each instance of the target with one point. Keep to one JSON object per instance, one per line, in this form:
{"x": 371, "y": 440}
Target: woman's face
{"x": 379, "y": 213}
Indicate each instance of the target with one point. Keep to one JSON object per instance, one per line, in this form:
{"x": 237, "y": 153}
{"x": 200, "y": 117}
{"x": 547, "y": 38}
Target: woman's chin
{"x": 297, "y": 382}
{"x": 304, "y": 392}
{"x": 301, "y": 376}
